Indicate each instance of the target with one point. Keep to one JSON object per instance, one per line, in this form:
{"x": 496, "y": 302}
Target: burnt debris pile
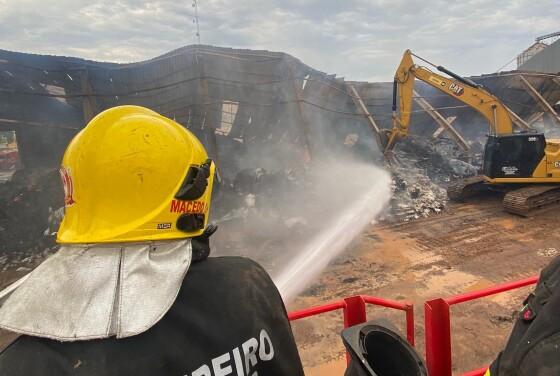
{"x": 421, "y": 169}
{"x": 29, "y": 216}
{"x": 280, "y": 132}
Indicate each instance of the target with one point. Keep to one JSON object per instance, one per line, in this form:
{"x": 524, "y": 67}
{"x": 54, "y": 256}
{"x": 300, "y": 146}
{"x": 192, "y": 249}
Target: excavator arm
{"x": 462, "y": 89}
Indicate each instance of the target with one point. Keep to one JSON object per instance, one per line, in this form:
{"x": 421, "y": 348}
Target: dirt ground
{"x": 468, "y": 247}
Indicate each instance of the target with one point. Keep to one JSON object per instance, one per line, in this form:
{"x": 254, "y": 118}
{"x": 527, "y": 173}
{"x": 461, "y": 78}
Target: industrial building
{"x": 273, "y": 125}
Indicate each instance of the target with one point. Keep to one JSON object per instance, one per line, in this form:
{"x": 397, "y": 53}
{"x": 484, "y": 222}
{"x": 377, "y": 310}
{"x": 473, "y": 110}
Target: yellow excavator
{"x": 523, "y": 164}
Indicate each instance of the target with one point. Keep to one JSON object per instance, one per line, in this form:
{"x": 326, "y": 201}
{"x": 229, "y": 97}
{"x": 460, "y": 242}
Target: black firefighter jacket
{"x": 228, "y": 319}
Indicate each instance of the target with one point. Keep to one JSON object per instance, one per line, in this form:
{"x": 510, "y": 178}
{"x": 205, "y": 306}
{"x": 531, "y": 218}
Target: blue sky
{"x": 357, "y": 39}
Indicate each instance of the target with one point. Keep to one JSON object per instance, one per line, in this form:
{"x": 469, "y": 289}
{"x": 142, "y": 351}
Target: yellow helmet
{"x": 131, "y": 175}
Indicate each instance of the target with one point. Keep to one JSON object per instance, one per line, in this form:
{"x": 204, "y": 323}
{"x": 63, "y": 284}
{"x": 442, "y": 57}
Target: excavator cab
{"x": 515, "y": 155}
{"x": 376, "y": 349}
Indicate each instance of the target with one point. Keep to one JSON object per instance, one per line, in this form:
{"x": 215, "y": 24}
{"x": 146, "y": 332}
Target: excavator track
{"x": 532, "y": 199}
{"x": 461, "y": 189}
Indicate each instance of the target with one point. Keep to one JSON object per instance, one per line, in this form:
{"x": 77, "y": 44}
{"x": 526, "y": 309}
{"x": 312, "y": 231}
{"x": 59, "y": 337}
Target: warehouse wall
{"x": 546, "y": 61}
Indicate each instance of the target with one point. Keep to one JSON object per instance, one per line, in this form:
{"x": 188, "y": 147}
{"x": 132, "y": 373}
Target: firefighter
{"x": 533, "y": 347}
{"x": 131, "y": 290}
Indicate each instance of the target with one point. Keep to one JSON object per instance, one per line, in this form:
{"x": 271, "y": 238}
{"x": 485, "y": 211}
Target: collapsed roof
{"x": 244, "y": 105}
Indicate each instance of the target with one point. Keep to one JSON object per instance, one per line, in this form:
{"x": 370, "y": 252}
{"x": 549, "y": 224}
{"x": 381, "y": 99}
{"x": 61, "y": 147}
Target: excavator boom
{"x": 463, "y": 89}
{"x": 525, "y": 165}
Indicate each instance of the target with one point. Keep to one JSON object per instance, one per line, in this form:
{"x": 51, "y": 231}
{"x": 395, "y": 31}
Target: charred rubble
{"x": 30, "y": 211}
{"x": 270, "y": 123}
{"x": 421, "y": 171}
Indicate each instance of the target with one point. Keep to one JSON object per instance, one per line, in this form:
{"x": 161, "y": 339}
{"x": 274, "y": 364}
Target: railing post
{"x": 410, "y": 324}
{"x": 355, "y": 312}
{"x": 438, "y": 337}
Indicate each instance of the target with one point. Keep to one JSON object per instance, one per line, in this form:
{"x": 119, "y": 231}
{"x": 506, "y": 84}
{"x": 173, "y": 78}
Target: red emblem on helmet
{"x": 68, "y": 186}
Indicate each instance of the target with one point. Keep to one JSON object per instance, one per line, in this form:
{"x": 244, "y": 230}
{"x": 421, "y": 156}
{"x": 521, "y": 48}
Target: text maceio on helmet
{"x": 189, "y": 207}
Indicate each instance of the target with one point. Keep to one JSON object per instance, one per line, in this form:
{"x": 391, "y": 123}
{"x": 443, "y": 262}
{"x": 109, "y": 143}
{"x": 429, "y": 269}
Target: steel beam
{"x": 298, "y": 98}
{"x": 535, "y": 117}
{"x": 517, "y": 120}
{"x": 440, "y": 120}
{"x": 441, "y": 129}
{"x": 89, "y": 103}
{"x": 540, "y": 100}
{"x": 13, "y": 124}
{"x": 362, "y": 108}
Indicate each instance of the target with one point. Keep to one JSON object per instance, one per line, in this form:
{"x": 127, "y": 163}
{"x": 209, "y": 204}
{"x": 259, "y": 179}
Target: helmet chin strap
{"x": 190, "y": 222}
{"x": 201, "y": 244}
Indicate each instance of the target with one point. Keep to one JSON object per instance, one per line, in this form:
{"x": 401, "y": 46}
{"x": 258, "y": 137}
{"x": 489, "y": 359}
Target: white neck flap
{"x": 97, "y": 291}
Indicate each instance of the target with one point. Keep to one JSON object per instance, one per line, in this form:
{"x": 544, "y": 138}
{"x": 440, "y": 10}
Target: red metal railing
{"x": 438, "y": 326}
{"x": 354, "y": 311}
{"x": 407, "y": 307}
{"x": 436, "y": 316}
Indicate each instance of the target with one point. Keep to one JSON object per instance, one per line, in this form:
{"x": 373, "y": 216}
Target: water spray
{"x": 336, "y": 235}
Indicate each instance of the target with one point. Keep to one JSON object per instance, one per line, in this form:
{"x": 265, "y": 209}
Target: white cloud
{"x": 358, "y": 39}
